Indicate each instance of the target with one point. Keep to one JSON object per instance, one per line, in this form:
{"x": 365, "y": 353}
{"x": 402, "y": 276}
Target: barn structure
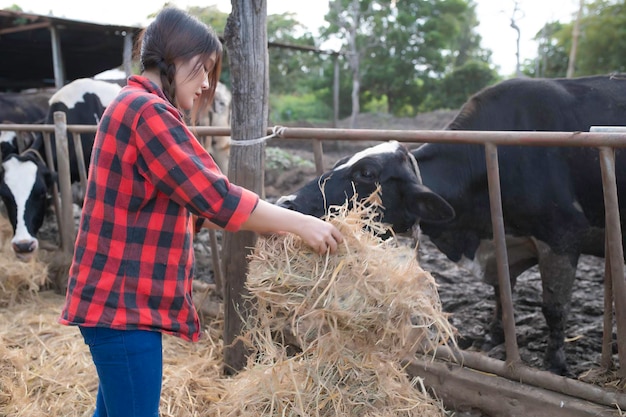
{"x": 44, "y": 51}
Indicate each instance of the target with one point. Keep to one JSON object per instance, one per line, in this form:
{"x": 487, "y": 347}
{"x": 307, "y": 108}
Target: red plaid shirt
{"x": 133, "y": 258}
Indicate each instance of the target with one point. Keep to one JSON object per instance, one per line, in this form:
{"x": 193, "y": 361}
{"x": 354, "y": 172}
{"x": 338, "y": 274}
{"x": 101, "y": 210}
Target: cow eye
{"x": 365, "y": 174}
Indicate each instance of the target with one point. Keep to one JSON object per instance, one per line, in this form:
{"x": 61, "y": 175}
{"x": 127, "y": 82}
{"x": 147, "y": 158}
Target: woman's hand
{"x": 321, "y": 236}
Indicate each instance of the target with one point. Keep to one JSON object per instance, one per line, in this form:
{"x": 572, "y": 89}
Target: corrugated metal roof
{"x": 26, "y": 49}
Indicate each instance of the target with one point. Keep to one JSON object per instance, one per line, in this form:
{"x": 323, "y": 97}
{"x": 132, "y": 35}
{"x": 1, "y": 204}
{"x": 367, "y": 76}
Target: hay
{"x": 19, "y": 281}
{"x": 354, "y": 315}
{"x": 46, "y": 368}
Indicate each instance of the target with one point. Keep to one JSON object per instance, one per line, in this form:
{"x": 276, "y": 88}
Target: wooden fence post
{"x": 65, "y": 185}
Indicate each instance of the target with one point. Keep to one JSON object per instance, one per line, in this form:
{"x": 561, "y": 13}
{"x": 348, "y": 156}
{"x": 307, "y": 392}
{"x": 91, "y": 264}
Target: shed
{"x": 43, "y": 51}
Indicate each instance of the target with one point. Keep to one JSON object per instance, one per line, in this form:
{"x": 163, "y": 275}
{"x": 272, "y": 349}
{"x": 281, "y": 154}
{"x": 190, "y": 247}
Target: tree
{"x": 395, "y": 50}
{"x": 290, "y": 69}
{"x": 457, "y": 86}
{"x": 216, "y": 19}
{"x": 552, "y": 51}
{"x": 601, "y": 46}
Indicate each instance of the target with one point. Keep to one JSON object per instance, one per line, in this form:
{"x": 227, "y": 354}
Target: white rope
{"x": 416, "y": 167}
{"x": 277, "y": 131}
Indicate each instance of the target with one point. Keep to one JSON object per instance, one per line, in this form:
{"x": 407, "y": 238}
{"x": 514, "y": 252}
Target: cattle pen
{"x": 458, "y": 377}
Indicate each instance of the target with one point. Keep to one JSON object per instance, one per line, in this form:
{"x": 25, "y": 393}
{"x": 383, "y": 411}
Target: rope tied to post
{"x": 277, "y": 131}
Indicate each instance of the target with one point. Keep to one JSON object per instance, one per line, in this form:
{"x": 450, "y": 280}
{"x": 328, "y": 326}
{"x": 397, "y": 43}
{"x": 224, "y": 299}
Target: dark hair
{"x": 176, "y": 34}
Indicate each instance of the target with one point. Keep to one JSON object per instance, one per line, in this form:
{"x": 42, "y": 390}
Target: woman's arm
{"x": 318, "y": 234}
{"x": 269, "y": 218}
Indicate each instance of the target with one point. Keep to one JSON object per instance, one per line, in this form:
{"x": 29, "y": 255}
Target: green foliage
{"x": 210, "y": 15}
{"x": 376, "y": 105}
{"x": 290, "y": 69}
{"x": 457, "y": 86}
{"x": 403, "y": 46}
{"x": 554, "y": 41}
{"x": 601, "y": 44}
{"x": 602, "y": 48}
{"x": 297, "y": 108}
{"x": 281, "y": 160}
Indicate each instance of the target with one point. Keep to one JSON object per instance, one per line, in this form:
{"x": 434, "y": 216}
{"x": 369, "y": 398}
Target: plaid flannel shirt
{"x": 133, "y": 258}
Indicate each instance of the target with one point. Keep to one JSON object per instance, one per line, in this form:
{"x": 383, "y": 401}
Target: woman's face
{"x": 189, "y": 85}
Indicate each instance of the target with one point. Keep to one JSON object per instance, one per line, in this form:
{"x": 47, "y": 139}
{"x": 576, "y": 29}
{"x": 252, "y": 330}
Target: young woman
{"x": 130, "y": 279}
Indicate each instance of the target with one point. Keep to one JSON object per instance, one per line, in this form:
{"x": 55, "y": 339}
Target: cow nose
{"x": 286, "y": 204}
{"x": 25, "y": 247}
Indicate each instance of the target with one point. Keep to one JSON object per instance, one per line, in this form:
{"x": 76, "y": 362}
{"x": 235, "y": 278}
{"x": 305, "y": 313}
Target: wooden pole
{"x": 55, "y": 189}
{"x": 245, "y": 36}
{"x": 65, "y": 185}
{"x": 336, "y": 91}
{"x": 461, "y": 388}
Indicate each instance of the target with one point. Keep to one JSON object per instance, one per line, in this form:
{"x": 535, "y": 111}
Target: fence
{"x": 465, "y": 378}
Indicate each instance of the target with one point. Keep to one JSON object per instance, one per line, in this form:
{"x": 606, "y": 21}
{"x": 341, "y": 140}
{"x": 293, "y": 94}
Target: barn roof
{"x": 26, "y": 51}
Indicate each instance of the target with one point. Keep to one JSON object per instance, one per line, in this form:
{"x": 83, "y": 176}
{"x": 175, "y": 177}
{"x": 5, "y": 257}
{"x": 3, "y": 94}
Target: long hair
{"x": 175, "y": 34}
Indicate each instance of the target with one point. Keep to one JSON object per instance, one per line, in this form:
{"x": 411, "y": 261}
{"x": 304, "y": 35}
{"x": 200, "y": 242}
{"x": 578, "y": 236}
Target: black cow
{"x": 21, "y": 108}
{"x": 24, "y": 107}
{"x": 25, "y": 179}
{"x": 551, "y": 196}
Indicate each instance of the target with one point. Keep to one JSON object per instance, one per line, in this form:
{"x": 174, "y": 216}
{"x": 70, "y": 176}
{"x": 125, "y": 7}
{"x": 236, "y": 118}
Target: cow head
{"x": 13, "y": 142}
{"x": 405, "y": 200}
{"x": 24, "y": 184}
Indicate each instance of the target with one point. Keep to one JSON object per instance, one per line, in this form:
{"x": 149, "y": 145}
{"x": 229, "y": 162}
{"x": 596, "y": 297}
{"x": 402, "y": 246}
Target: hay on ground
{"x": 46, "y": 368}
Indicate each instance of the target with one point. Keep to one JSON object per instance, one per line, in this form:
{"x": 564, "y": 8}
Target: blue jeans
{"x": 130, "y": 369}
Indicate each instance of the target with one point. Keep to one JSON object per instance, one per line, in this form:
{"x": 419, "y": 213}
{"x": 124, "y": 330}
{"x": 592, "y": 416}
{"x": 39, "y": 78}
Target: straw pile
{"x": 354, "y": 315}
{"x": 46, "y": 368}
{"x": 19, "y": 281}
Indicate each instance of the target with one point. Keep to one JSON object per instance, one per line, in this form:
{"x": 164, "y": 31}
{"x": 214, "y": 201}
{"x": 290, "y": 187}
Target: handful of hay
{"x": 354, "y": 315}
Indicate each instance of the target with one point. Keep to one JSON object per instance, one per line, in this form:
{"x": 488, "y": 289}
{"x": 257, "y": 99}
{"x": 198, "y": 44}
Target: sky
{"x": 494, "y": 17}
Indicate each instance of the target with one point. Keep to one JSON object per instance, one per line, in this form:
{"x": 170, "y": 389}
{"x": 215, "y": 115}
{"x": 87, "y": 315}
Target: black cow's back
{"x": 561, "y": 104}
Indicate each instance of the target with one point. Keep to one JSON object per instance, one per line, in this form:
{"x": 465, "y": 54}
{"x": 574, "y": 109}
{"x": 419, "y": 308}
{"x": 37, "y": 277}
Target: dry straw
{"x": 46, "y": 369}
{"x": 353, "y": 315}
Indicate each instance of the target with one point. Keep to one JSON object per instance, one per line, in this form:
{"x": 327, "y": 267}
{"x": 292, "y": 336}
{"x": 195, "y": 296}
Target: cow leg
{"x": 522, "y": 255}
{"x": 557, "y": 277}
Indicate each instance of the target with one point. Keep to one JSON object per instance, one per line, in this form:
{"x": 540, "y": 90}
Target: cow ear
{"x": 430, "y": 207}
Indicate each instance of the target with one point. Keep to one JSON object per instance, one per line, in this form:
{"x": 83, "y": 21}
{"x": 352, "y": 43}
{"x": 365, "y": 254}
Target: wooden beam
{"x": 461, "y": 388}
{"x": 25, "y": 28}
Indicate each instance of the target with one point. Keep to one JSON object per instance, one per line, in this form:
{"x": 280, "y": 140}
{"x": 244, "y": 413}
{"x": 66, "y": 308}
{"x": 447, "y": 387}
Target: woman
{"x": 130, "y": 279}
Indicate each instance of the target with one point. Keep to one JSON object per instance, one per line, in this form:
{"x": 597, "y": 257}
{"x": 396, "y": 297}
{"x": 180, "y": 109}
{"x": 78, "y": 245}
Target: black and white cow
{"x": 551, "y": 196}
{"x": 25, "y": 179}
